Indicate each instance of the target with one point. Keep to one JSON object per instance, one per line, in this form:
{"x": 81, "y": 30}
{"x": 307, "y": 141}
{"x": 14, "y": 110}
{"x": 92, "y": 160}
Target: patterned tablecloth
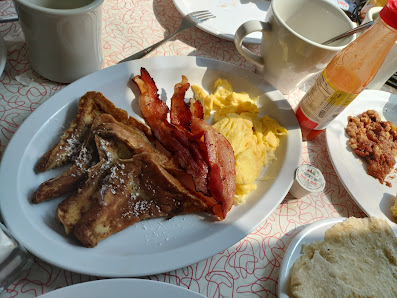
{"x": 250, "y": 268}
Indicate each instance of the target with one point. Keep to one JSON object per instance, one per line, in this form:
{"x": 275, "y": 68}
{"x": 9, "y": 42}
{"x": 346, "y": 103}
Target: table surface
{"x": 248, "y": 268}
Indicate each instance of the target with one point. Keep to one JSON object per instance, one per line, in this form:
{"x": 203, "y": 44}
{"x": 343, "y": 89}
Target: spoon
{"x": 350, "y": 32}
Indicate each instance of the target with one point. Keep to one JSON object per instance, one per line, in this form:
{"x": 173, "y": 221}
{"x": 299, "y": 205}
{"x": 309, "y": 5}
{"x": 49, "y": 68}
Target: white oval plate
{"x": 230, "y": 14}
{"x": 123, "y": 288}
{"x": 156, "y": 245}
{"x": 374, "y": 198}
{"x": 312, "y": 232}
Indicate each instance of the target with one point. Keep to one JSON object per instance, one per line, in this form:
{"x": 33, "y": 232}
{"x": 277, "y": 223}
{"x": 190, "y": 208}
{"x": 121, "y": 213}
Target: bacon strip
{"x": 153, "y": 109}
{"x": 180, "y": 112}
{"x": 188, "y": 153}
{"x": 222, "y": 175}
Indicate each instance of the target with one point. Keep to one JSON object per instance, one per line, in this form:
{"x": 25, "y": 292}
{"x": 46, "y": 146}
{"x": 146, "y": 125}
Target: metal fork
{"x": 189, "y": 21}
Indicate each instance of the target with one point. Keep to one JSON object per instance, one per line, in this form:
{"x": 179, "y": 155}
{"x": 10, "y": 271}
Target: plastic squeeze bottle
{"x": 348, "y": 73}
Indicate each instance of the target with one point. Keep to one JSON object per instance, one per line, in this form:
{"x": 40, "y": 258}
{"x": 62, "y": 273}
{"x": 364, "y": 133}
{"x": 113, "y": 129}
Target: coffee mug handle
{"x": 243, "y": 31}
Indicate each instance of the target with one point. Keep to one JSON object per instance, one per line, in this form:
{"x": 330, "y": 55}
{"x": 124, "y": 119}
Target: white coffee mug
{"x": 64, "y": 37}
{"x": 389, "y": 66}
{"x": 291, "y": 49}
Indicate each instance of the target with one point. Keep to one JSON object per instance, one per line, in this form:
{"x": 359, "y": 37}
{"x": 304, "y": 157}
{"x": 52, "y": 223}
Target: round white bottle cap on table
{"x": 308, "y": 179}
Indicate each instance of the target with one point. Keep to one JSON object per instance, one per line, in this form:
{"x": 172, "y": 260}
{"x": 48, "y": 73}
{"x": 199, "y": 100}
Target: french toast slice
{"x": 91, "y": 105}
{"x": 134, "y": 139}
{"x": 70, "y": 179}
{"x": 76, "y": 174}
{"x": 72, "y": 138}
{"x": 137, "y": 189}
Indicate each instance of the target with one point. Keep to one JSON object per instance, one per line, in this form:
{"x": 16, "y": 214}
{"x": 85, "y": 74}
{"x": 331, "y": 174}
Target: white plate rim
{"x": 122, "y": 287}
{"x": 366, "y": 194}
{"x": 254, "y": 38}
{"x": 294, "y": 250}
{"x": 89, "y": 264}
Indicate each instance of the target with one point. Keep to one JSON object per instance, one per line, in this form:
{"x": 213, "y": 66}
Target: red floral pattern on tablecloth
{"x": 249, "y": 268}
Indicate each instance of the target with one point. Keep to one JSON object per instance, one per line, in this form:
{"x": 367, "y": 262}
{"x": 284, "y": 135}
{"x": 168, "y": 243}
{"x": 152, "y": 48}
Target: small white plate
{"x": 123, "y": 288}
{"x": 312, "y": 232}
{"x": 230, "y": 14}
{"x": 374, "y": 198}
{"x": 156, "y": 245}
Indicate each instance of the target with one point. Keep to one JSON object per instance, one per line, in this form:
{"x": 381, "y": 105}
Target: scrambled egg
{"x": 253, "y": 139}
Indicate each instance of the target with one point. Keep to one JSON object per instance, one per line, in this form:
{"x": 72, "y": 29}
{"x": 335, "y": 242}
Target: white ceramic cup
{"x": 64, "y": 37}
{"x": 389, "y": 66}
{"x": 291, "y": 49}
